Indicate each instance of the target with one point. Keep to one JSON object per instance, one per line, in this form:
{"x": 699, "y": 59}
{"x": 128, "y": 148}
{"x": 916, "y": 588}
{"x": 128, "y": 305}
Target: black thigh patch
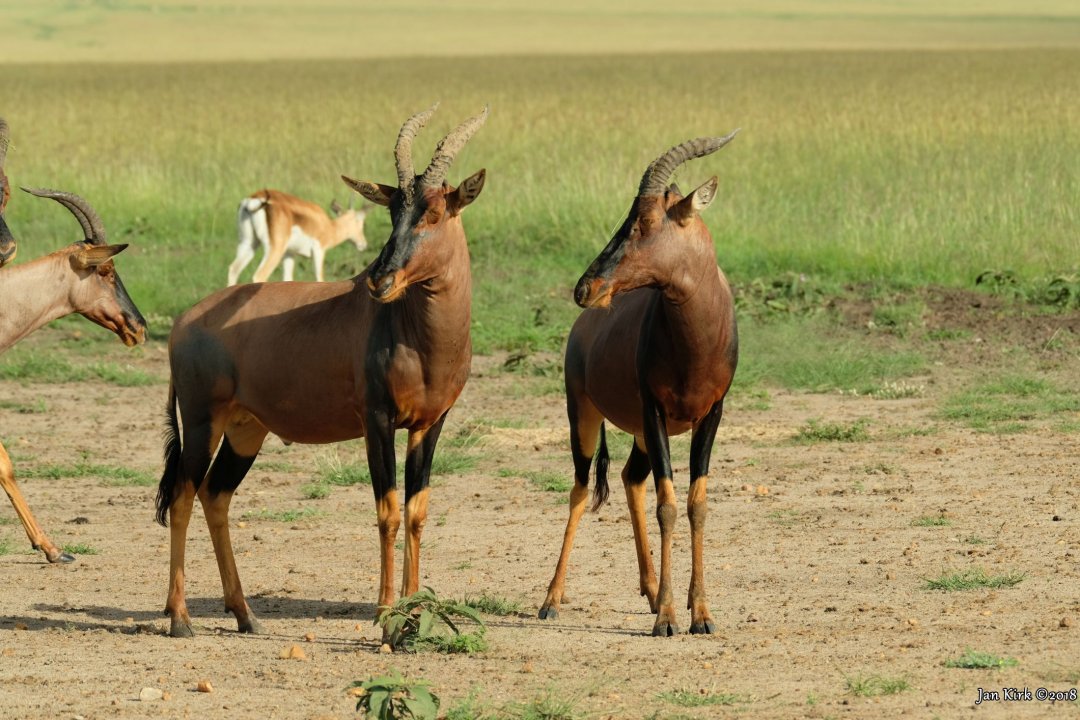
{"x": 228, "y": 470}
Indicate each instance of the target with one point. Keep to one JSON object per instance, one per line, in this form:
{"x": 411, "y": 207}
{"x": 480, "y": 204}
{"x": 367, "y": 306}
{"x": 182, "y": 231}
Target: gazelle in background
{"x": 7, "y": 242}
{"x": 654, "y": 352}
{"x": 287, "y": 227}
{"x": 388, "y": 349}
{"x": 80, "y": 279}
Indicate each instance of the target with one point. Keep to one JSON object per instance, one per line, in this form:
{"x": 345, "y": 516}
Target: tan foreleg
{"x": 37, "y": 536}
{"x": 634, "y": 474}
{"x": 388, "y": 512}
{"x": 696, "y": 509}
{"x": 416, "y": 510}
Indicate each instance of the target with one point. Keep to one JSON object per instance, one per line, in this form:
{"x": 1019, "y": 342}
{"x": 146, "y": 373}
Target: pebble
{"x": 1065, "y": 623}
{"x": 309, "y": 637}
{"x": 293, "y": 652}
{"x": 204, "y": 686}
{"x": 385, "y": 648}
{"x": 149, "y": 694}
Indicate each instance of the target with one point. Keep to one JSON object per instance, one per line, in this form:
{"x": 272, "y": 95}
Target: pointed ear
{"x": 376, "y": 193}
{"x": 93, "y": 256}
{"x": 691, "y": 205}
{"x": 466, "y": 192}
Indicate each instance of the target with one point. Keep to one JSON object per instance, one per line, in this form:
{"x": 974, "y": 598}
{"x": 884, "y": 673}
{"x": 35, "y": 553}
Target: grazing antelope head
{"x": 349, "y": 223}
{"x": 98, "y": 294}
{"x": 653, "y": 239}
{"x": 7, "y": 241}
{"x": 424, "y": 210}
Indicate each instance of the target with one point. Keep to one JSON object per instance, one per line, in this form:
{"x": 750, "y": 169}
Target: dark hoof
{"x": 548, "y": 613}
{"x": 181, "y": 629}
{"x": 252, "y": 627}
{"x": 705, "y": 627}
{"x": 662, "y": 628}
{"x": 61, "y": 558}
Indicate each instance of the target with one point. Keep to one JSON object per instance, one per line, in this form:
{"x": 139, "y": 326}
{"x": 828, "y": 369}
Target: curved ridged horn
{"x": 3, "y": 142}
{"x": 654, "y": 181}
{"x": 448, "y": 149}
{"x": 403, "y": 149}
{"x": 93, "y": 230}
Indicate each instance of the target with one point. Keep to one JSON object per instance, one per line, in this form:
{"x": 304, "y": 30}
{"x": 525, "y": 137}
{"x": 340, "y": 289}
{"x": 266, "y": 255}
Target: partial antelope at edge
{"x": 80, "y": 278}
{"x": 654, "y": 352}
{"x": 388, "y": 349}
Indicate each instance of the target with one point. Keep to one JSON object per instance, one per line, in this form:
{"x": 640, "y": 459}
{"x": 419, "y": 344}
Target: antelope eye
{"x": 432, "y": 216}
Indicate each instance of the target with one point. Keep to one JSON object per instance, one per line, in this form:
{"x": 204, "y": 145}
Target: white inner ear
{"x": 704, "y": 195}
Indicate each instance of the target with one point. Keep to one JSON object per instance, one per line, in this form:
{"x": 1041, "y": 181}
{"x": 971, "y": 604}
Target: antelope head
{"x": 97, "y": 294}
{"x": 424, "y": 210}
{"x": 652, "y": 244}
{"x": 7, "y": 241}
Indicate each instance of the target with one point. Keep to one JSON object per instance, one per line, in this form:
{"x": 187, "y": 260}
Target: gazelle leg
{"x": 38, "y": 539}
{"x": 288, "y": 264}
{"x": 701, "y": 621}
{"x": 585, "y": 423}
{"x": 656, "y": 443}
{"x": 382, "y": 465}
{"x": 318, "y": 257}
{"x": 634, "y": 474}
{"x": 420, "y": 452}
{"x": 269, "y": 262}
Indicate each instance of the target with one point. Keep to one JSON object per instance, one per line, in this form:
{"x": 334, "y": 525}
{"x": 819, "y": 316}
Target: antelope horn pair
{"x": 445, "y": 152}
{"x": 655, "y": 179}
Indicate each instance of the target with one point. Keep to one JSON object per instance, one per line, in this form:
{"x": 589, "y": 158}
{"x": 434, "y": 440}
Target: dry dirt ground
{"x": 815, "y": 570}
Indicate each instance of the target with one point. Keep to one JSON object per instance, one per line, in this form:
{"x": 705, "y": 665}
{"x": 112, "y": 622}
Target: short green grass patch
{"x": 36, "y": 407}
{"x": 975, "y": 660}
{"x": 931, "y": 521}
{"x": 818, "y": 431}
{"x": 31, "y": 366}
{"x": 545, "y": 480}
{"x": 689, "y": 698}
{"x": 875, "y": 685}
{"x": 315, "y": 491}
{"x": 111, "y": 474}
{"x": 972, "y": 579}
{"x": 282, "y": 515}
{"x": 6, "y": 547}
{"x": 493, "y": 605}
{"x": 80, "y": 549}
{"x": 552, "y": 705}
{"x": 1009, "y": 404}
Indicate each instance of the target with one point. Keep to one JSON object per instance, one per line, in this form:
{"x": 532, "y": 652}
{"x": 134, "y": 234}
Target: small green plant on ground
{"x": 24, "y": 408}
{"x": 282, "y": 515}
{"x": 332, "y": 470}
{"x": 549, "y": 706}
{"x": 817, "y": 431}
{"x": 392, "y": 697}
{"x": 972, "y": 579}
{"x": 422, "y": 621}
{"x": 931, "y": 521}
{"x": 492, "y": 605}
{"x": 80, "y": 549}
{"x": 974, "y": 660}
{"x": 542, "y": 479}
{"x": 784, "y": 518}
{"x": 687, "y": 698}
{"x": 470, "y": 708}
{"x": 315, "y": 491}
{"x": 874, "y": 685}
{"x": 6, "y": 547}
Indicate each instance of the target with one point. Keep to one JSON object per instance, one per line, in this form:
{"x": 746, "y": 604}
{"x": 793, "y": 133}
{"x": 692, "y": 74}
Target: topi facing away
{"x": 80, "y": 278}
{"x": 7, "y": 242}
{"x": 387, "y": 350}
{"x": 654, "y": 352}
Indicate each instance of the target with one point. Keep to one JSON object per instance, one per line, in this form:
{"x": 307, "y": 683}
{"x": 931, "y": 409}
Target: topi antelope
{"x": 387, "y": 350}
{"x": 654, "y": 352}
{"x": 80, "y": 279}
{"x": 288, "y": 227}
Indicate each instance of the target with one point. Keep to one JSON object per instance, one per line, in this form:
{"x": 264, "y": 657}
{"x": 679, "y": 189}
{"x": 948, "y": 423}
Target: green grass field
{"x": 896, "y": 168}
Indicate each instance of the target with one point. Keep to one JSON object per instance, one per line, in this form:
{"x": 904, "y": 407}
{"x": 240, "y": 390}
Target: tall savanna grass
{"x": 887, "y": 167}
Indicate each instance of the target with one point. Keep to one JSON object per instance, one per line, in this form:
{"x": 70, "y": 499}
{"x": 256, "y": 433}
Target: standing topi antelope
{"x": 388, "y": 349}
{"x": 288, "y": 227}
{"x": 654, "y": 352}
{"x": 80, "y": 279}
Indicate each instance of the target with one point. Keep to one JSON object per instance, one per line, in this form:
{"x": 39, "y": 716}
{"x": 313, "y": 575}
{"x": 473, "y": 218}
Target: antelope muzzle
{"x": 593, "y": 291}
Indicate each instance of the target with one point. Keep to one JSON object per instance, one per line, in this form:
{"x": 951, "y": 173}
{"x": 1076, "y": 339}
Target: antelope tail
{"x": 600, "y": 491}
{"x": 171, "y": 474}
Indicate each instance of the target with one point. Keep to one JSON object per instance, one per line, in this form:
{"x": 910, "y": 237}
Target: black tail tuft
{"x": 600, "y": 492}
{"x": 171, "y": 474}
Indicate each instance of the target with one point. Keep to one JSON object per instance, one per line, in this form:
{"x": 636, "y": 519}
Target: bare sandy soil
{"x": 815, "y": 570}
